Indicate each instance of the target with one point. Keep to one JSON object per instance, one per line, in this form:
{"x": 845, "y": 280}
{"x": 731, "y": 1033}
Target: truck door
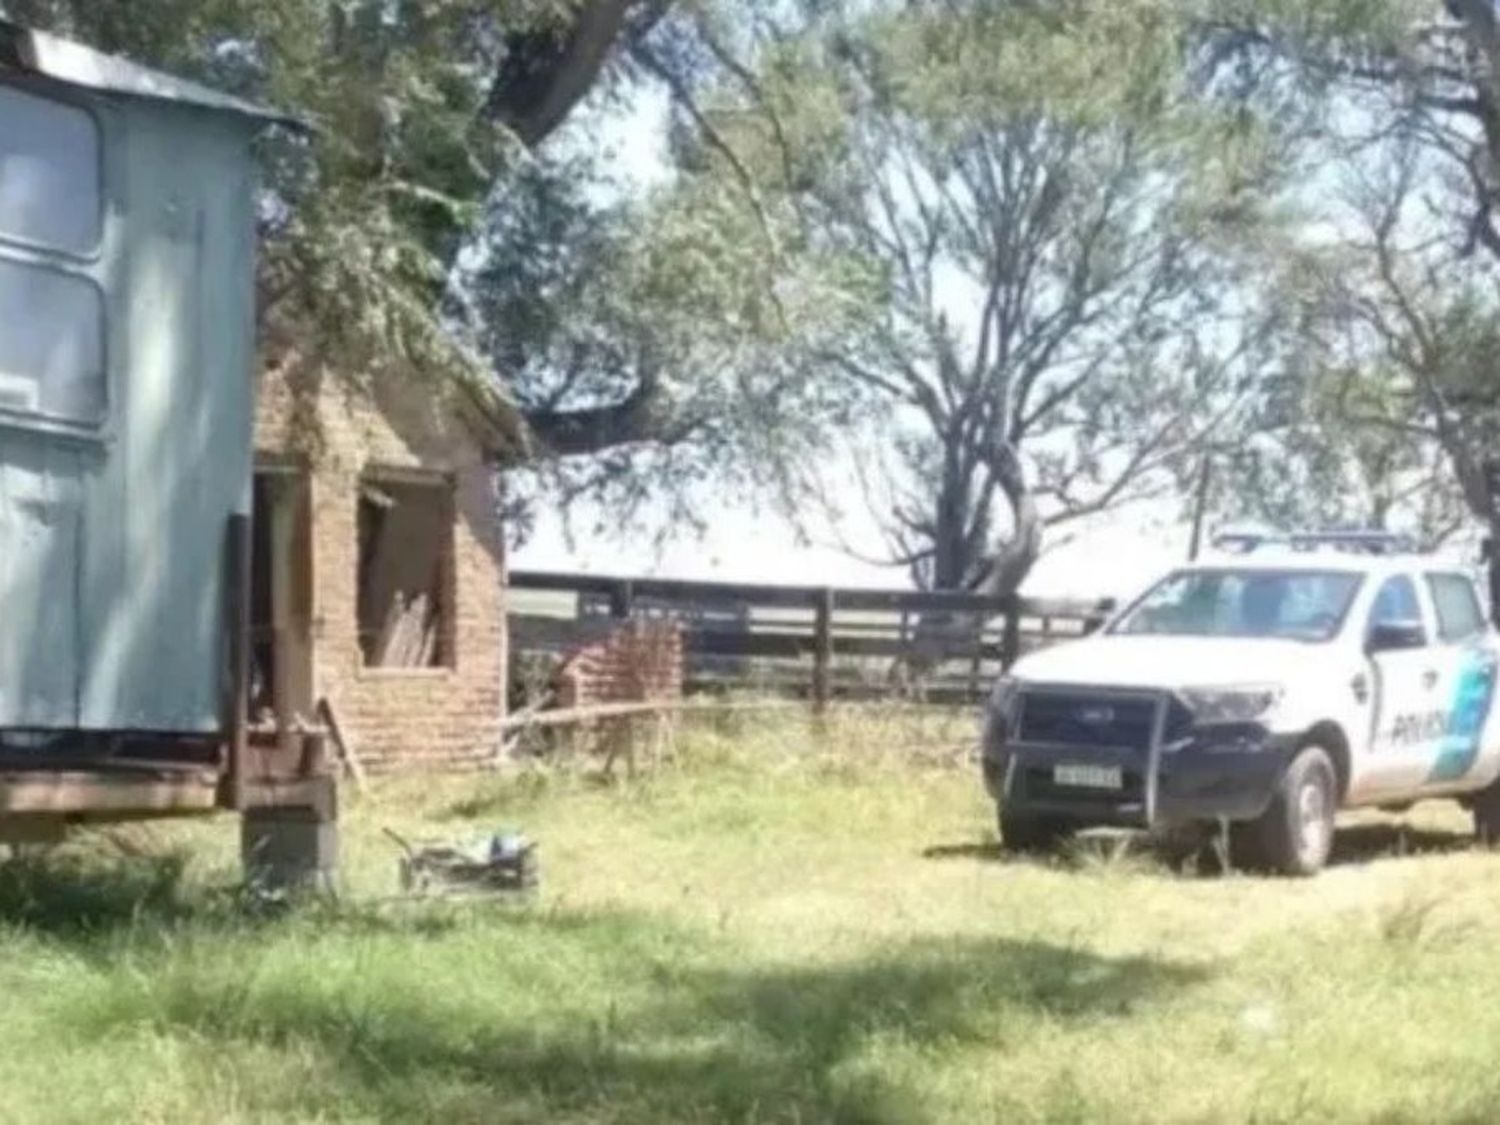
{"x": 1409, "y": 714}
{"x": 1467, "y": 754}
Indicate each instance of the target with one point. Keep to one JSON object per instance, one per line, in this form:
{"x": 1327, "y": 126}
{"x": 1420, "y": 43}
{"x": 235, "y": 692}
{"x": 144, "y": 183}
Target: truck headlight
{"x": 1222, "y": 706}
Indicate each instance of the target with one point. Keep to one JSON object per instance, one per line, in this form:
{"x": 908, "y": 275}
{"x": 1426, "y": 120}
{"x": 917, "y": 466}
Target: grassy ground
{"x": 761, "y": 931}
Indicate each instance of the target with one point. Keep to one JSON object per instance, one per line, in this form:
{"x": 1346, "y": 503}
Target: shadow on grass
{"x": 667, "y": 1042}
{"x": 86, "y": 899}
{"x": 81, "y": 897}
{"x": 1352, "y": 845}
{"x": 989, "y": 851}
{"x": 1362, "y": 843}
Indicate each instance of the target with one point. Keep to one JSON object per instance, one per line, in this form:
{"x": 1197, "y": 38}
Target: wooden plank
{"x": 348, "y": 753}
{"x": 77, "y": 791}
{"x": 779, "y": 644}
{"x": 924, "y": 601}
{"x": 805, "y": 597}
{"x": 569, "y": 716}
{"x": 666, "y": 589}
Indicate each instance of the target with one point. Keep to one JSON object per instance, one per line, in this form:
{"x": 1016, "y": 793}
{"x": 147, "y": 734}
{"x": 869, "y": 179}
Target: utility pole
{"x": 1200, "y": 505}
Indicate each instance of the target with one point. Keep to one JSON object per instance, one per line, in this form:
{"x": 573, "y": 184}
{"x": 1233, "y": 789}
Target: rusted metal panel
{"x": 40, "y": 525}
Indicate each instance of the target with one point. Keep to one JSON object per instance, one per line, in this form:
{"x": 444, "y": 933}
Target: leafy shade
{"x": 420, "y": 112}
{"x": 657, "y": 331}
{"x": 1043, "y": 326}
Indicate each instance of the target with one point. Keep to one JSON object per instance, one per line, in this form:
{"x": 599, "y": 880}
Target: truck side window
{"x": 1459, "y": 617}
{"x": 1396, "y": 603}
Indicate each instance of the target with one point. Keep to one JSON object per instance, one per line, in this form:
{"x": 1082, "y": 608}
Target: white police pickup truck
{"x": 1265, "y": 690}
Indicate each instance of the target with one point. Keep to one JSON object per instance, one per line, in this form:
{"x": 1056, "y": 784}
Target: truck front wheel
{"x": 1295, "y": 835}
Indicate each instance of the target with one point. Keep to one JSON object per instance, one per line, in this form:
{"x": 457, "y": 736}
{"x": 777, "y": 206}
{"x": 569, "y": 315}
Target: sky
{"x": 1116, "y": 555}
{"x": 1112, "y": 557}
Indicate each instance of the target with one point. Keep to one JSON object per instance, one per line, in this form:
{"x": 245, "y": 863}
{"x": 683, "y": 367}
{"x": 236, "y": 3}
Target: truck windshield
{"x": 1292, "y": 605}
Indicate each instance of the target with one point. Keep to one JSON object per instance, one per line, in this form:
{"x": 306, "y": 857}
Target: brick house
{"x": 378, "y": 564}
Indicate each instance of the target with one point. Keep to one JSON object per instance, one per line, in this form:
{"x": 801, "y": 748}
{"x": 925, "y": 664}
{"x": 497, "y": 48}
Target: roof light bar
{"x": 1356, "y": 542}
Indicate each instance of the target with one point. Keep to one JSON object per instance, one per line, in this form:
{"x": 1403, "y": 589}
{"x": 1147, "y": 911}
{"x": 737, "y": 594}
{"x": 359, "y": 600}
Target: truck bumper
{"x": 1228, "y": 775}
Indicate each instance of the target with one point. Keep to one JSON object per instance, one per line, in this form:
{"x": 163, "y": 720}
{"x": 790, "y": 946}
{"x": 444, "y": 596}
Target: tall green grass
{"x": 776, "y": 923}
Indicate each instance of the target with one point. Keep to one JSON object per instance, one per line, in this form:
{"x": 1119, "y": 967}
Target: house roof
{"x": 26, "y": 49}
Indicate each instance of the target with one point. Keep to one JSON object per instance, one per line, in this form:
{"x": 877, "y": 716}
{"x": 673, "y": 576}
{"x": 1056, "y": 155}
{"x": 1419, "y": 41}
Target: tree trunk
{"x": 1014, "y": 558}
{"x": 551, "y": 69}
{"x": 939, "y": 635}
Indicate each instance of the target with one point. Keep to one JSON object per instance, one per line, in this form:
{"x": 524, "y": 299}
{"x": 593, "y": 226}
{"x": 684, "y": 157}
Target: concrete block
{"x": 289, "y": 850}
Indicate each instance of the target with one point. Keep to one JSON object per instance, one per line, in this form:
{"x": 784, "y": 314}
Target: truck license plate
{"x": 1089, "y": 777}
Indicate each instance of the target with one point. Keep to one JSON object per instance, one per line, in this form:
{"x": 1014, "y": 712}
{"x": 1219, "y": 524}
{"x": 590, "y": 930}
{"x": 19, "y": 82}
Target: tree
{"x": 1397, "y": 335}
{"x": 450, "y": 218}
{"x": 645, "y": 341}
{"x": 421, "y": 112}
{"x": 1045, "y": 330}
{"x": 1428, "y": 70}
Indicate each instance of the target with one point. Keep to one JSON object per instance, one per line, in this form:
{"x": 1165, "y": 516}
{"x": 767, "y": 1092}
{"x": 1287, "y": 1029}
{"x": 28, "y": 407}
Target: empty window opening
{"x": 405, "y": 553}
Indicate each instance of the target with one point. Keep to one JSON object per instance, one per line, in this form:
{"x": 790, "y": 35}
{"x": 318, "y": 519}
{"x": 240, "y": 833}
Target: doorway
{"x": 281, "y": 611}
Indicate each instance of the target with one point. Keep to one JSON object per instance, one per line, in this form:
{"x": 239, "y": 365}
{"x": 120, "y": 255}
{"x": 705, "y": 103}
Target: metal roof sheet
{"x": 24, "y": 48}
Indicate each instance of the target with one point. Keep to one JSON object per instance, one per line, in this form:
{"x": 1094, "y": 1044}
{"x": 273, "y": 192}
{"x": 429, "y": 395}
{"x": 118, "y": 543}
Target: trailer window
{"x": 52, "y": 345}
{"x": 50, "y": 191}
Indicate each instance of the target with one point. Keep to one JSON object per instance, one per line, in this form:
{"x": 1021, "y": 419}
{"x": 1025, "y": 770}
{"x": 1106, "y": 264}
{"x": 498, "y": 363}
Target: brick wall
{"x": 635, "y": 663}
{"x": 396, "y": 716}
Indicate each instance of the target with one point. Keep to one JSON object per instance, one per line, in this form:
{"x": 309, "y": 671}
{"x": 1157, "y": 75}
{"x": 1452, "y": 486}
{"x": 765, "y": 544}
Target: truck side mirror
{"x": 1396, "y": 636}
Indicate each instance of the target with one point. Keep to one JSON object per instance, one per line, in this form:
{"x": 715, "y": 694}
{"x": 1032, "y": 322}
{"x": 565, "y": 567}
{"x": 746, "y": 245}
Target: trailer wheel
{"x": 1295, "y": 835}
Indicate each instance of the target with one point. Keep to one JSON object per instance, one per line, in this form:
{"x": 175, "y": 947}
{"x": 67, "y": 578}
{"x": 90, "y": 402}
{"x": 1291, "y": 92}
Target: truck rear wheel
{"x": 1295, "y": 835}
{"x": 1030, "y": 833}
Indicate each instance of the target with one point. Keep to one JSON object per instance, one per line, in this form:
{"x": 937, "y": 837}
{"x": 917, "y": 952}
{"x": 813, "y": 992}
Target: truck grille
{"x": 1087, "y": 719}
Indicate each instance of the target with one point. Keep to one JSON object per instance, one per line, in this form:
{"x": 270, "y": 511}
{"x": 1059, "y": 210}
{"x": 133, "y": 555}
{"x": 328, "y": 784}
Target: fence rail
{"x": 814, "y": 641}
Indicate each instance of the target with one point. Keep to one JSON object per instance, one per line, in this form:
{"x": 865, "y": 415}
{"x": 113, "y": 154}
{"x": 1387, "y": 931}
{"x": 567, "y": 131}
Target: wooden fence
{"x": 818, "y": 642}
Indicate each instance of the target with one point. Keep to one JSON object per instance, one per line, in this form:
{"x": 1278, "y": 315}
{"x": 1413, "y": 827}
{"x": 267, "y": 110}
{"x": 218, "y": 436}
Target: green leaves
{"x": 363, "y": 222}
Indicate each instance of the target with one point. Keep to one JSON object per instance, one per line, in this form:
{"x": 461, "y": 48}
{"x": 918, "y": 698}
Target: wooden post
{"x": 1010, "y": 644}
{"x": 236, "y": 720}
{"x": 348, "y": 754}
{"x": 822, "y": 650}
{"x": 622, "y": 600}
{"x": 976, "y": 657}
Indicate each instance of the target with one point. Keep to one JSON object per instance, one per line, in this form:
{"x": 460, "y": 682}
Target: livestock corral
{"x": 787, "y": 920}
